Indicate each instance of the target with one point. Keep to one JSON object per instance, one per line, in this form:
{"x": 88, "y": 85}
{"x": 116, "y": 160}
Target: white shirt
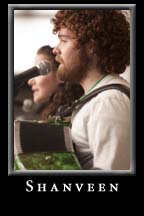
{"x": 101, "y": 129}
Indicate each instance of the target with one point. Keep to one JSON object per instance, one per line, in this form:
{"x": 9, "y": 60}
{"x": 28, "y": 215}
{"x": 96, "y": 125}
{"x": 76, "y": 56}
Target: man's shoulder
{"x": 109, "y": 94}
{"x": 106, "y": 98}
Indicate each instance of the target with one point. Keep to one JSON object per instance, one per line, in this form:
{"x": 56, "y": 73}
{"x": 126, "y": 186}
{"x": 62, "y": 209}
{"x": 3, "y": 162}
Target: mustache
{"x": 59, "y": 59}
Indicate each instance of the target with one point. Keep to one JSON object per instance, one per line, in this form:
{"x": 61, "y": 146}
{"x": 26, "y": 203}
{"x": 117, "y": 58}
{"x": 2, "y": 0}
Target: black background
{"x": 128, "y": 184}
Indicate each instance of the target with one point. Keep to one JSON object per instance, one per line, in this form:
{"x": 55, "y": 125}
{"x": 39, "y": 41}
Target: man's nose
{"x": 56, "y": 50}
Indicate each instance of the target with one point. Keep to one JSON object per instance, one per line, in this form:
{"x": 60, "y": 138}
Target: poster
{"x": 58, "y": 180}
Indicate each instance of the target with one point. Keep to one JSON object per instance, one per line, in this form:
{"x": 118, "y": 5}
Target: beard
{"x": 75, "y": 68}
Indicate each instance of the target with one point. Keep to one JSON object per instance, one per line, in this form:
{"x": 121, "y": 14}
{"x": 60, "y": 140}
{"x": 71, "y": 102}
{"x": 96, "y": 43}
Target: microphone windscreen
{"x": 27, "y": 105}
{"x": 44, "y": 67}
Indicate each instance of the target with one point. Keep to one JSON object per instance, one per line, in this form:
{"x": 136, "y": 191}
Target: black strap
{"x": 79, "y": 103}
{"x": 119, "y": 87}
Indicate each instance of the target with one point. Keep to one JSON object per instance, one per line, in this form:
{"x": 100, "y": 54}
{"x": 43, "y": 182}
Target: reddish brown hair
{"x": 107, "y": 28}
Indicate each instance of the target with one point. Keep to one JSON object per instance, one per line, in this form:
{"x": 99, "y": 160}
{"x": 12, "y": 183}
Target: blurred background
{"x": 32, "y": 29}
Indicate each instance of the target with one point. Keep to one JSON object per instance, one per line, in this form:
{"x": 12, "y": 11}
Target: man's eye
{"x": 63, "y": 41}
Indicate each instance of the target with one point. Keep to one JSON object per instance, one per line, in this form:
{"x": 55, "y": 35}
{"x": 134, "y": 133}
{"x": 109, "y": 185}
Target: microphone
{"x": 43, "y": 68}
{"x": 27, "y": 105}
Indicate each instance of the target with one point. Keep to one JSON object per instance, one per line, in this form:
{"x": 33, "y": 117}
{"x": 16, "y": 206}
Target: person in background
{"x": 48, "y": 91}
{"x": 48, "y": 97}
{"x": 93, "y": 50}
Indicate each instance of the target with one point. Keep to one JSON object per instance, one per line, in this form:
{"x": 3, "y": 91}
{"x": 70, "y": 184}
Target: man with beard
{"x": 93, "y": 50}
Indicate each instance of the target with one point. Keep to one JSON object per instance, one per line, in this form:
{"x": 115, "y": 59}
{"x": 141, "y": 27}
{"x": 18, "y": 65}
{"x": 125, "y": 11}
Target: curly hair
{"x": 109, "y": 31}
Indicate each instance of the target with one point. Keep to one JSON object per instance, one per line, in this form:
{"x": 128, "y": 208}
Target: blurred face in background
{"x": 43, "y": 86}
{"x": 40, "y": 57}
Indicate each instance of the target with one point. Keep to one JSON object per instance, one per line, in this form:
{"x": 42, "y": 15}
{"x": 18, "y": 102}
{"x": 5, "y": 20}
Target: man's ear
{"x": 91, "y": 48}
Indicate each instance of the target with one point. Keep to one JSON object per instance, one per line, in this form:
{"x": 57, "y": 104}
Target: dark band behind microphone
{"x": 43, "y": 68}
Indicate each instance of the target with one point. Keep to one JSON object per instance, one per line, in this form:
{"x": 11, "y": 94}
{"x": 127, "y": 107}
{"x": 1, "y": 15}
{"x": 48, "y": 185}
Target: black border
{"x": 127, "y": 181}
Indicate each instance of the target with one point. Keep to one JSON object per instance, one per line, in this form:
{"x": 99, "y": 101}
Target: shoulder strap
{"x": 94, "y": 93}
{"x": 79, "y": 103}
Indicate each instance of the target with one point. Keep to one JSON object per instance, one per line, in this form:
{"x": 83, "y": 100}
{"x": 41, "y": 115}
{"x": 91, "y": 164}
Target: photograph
{"x": 71, "y": 90}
